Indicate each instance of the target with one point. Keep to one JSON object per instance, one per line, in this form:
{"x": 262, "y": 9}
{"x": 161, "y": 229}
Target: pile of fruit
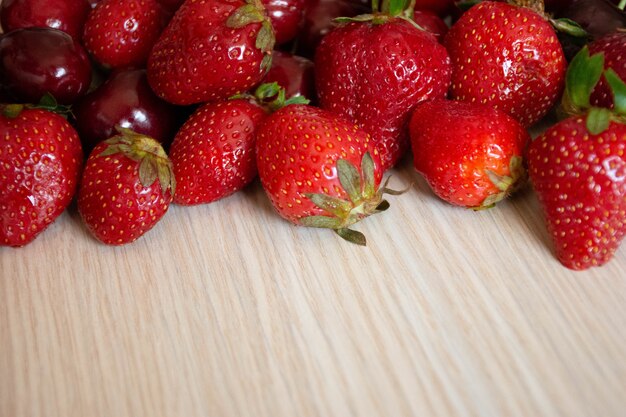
{"x": 132, "y": 105}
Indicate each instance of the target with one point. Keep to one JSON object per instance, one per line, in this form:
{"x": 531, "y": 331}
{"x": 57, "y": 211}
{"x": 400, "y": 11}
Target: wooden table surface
{"x": 227, "y": 310}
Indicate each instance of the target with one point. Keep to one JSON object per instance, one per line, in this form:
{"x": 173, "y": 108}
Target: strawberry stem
{"x": 621, "y": 5}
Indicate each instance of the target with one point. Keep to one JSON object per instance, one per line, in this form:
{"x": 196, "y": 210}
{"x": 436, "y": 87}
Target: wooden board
{"x": 227, "y": 310}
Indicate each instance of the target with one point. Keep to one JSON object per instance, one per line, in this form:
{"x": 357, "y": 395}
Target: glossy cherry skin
{"x": 318, "y": 21}
{"x": 66, "y": 15}
{"x": 431, "y": 22}
{"x": 293, "y": 73}
{"x": 36, "y": 61}
{"x": 171, "y": 5}
{"x": 124, "y": 99}
{"x": 440, "y": 7}
{"x": 286, "y": 17}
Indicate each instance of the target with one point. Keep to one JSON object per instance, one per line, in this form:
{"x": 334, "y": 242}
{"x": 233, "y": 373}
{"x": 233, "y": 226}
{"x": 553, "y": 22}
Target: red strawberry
{"x": 508, "y": 57}
{"x": 375, "y": 71}
{"x": 210, "y": 50}
{"x": 213, "y": 154}
{"x": 126, "y": 187}
{"x": 578, "y": 169}
{"x": 580, "y": 179}
{"x": 319, "y": 170}
{"x": 470, "y": 154}
{"x": 614, "y": 48}
{"x": 120, "y": 33}
{"x": 40, "y": 160}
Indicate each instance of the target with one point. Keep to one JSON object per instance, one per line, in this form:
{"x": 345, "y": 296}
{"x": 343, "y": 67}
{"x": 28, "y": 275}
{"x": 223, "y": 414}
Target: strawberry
{"x": 578, "y": 170}
{"x": 318, "y": 170}
{"x": 213, "y": 154}
{"x": 613, "y": 46}
{"x": 508, "y": 57}
{"x": 126, "y": 187}
{"x": 210, "y": 50}
{"x": 374, "y": 69}
{"x": 40, "y": 160}
{"x": 120, "y": 33}
{"x": 470, "y": 154}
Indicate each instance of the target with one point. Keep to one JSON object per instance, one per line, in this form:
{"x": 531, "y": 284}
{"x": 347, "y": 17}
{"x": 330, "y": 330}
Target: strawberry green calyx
{"x": 363, "y": 200}
{"x": 153, "y": 161}
{"x": 254, "y": 12}
{"x": 47, "y": 102}
{"x": 583, "y": 75}
{"x": 506, "y": 184}
{"x": 562, "y": 25}
{"x": 381, "y": 14}
{"x": 271, "y": 97}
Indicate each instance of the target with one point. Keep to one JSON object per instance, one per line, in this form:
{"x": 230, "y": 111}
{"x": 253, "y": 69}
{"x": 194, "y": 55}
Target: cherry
{"x": 66, "y": 15}
{"x": 171, "y": 5}
{"x": 286, "y": 17}
{"x": 440, "y": 7}
{"x": 318, "y": 21}
{"x": 125, "y": 99}
{"x": 293, "y": 73}
{"x": 598, "y": 17}
{"x": 432, "y": 23}
{"x": 36, "y": 61}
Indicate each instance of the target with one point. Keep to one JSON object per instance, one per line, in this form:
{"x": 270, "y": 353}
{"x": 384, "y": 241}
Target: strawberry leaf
{"x": 367, "y": 167}
{"x": 350, "y": 180}
{"x": 395, "y": 7}
{"x": 265, "y": 39}
{"x": 148, "y": 172}
{"x": 569, "y": 27}
{"x": 583, "y": 74}
{"x": 618, "y": 87}
{"x": 335, "y": 206}
{"x": 323, "y": 222}
{"x": 352, "y": 236}
{"x": 598, "y": 120}
{"x": 297, "y": 100}
{"x": 245, "y": 15}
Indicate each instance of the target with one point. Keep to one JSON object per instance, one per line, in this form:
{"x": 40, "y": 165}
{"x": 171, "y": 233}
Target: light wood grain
{"x": 226, "y": 310}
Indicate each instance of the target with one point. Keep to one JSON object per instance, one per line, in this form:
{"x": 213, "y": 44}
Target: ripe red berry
{"x": 375, "y": 72}
{"x": 125, "y": 99}
{"x": 121, "y": 33}
{"x": 613, "y": 46}
{"x": 40, "y": 160}
{"x": 37, "y": 61}
{"x": 65, "y": 15}
{"x": 508, "y": 57}
{"x": 470, "y": 154}
{"x": 213, "y": 153}
{"x": 210, "y": 50}
{"x": 126, "y": 188}
{"x": 580, "y": 180}
{"x": 319, "y": 170}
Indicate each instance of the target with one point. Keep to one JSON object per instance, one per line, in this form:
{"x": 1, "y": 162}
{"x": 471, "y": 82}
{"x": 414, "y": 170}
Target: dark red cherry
{"x": 171, "y": 5}
{"x": 293, "y": 73}
{"x": 66, "y": 15}
{"x": 440, "y": 7}
{"x": 36, "y": 61}
{"x": 286, "y": 17}
{"x": 318, "y": 21}
{"x": 432, "y": 23}
{"x": 124, "y": 99}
